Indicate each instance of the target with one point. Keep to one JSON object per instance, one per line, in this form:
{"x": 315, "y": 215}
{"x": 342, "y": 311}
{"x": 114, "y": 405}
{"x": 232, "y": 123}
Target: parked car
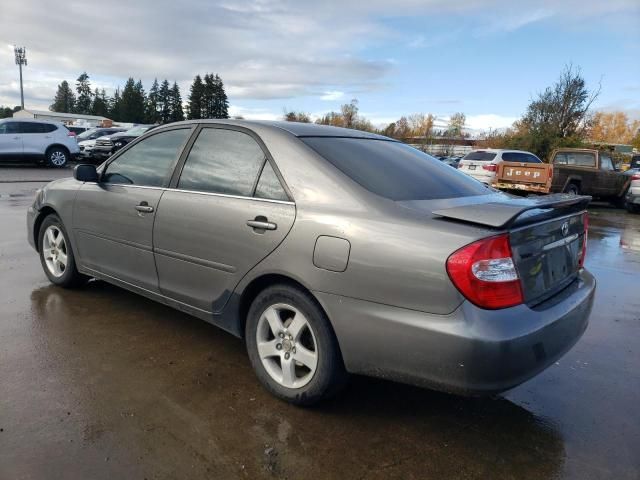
{"x": 632, "y": 198}
{"x": 77, "y": 130}
{"x": 87, "y": 140}
{"x": 483, "y": 164}
{"x": 583, "y": 171}
{"x": 38, "y": 141}
{"x": 329, "y": 251}
{"x": 452, "y": 161}
{"x": 635, "y": 162}
{"x": 107, "y": 146}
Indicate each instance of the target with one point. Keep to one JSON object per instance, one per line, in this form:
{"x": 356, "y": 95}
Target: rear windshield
{"x": 579, "y": 159}
{"x": 635, "y": 161}
{"x": 480, "y": 156}
{"x": 394, "y": 170}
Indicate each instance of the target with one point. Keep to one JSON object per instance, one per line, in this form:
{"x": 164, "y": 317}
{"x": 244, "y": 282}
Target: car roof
{"x": 30, "y": 120}
{"x": 295, "y": 128}
{"x": 500, "y": 150}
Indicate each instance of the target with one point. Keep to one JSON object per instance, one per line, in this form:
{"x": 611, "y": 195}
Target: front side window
{"x": 148, "y": 163}
{"x": 9, "y": 127}
{"x": 606, "y": 163}
{"x": 222, "y": 161}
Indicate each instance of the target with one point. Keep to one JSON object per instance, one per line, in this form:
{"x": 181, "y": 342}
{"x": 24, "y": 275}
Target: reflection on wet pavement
{"x": 101, "y": 383}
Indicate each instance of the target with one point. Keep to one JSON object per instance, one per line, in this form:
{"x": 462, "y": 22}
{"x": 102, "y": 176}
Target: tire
{"x": 57, "y": 157}
{"x": 307, "y": 334}
{"x": 59, "y": 272}
{"x": 572, "y": 189}
{"x": 631, "y": 208}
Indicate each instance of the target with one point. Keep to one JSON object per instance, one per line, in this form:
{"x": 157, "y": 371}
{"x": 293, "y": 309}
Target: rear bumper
{"x": 633, "y": 196}
{"x": 470, "y": 351}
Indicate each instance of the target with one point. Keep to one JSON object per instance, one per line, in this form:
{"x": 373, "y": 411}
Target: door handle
{"x": 144, "y": 207}
{"x": 261, "y": 223}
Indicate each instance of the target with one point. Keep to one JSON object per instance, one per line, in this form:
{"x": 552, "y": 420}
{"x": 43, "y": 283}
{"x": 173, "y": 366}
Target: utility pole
{"x": 21, "y": 59}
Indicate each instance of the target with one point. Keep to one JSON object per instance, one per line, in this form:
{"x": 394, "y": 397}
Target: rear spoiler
{"x": 515, "y": 212}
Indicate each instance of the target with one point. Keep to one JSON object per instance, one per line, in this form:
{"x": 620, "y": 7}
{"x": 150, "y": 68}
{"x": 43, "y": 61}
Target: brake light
{"x": 492, "y": 167}
{"x": 583, "y": 254}
{"x": 635, "y": 176}
{"x": 485, "y": 274}
{"x": 71, "y": 134}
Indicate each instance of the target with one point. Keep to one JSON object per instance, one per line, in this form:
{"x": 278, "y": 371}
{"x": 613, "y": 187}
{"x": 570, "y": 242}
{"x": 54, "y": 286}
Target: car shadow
{"x": 191, "y": 384}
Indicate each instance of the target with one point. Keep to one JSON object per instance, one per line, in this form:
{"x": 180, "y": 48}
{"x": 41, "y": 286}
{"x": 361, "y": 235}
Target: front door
{"x": 10, "y": 141}
{"x": 113, "y": 219}
{"x": 229, "y": 211}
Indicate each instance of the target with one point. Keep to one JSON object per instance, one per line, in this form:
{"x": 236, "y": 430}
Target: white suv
{"x": 37, "y": 140}
{"x": 483, "y": 164}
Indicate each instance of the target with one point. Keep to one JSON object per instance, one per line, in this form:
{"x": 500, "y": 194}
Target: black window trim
{"x": 142, "y": 137}
{"x": 173, "y": 184}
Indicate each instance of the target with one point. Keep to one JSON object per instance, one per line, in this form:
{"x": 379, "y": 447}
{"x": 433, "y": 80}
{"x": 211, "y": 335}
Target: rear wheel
{"x": 57, "y": 157}
{"x": 56, "y": 255}
{"x": 572, "y": 189}
{"x": 292, "y": 347}
{"x": 632, "y": 208}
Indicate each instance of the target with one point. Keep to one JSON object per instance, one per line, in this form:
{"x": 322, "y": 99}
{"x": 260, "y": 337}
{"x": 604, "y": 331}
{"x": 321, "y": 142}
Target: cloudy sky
{"x": 486, "y": 58}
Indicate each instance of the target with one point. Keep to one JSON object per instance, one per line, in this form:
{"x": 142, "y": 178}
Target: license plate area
{"x": 472, "y": 167}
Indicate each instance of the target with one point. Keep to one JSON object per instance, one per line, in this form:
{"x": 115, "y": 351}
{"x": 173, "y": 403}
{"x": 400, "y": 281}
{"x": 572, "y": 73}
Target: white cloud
{"x": 332, "y": 95}
{"x": 489, "y": 121}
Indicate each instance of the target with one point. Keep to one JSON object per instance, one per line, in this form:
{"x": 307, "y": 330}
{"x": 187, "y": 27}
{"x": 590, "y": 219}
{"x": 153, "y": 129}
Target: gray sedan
{"x": 329, "y": 251}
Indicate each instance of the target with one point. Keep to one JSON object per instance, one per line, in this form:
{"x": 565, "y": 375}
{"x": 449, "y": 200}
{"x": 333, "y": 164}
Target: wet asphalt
{"x": 99, "y": 383}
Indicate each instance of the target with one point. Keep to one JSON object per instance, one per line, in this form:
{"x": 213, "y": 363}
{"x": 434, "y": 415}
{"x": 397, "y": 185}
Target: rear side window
{"x": 31, "y": 127}
{"x": 222, "y": 161}
{"x": 48, "y": 127}
{"x": 606, "y": 163}
{"x": 578, "y": 159}
{"x": 480, "y": 156}
{"x": 269, "y": 185}
{"x": 520, "y": 157}
{"x": 394, "y": 170}
{"x": 149, "y": 162}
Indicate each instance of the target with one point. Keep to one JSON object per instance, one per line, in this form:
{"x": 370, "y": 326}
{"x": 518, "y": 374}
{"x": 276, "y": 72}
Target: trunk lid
{"x": 547, "y": 237}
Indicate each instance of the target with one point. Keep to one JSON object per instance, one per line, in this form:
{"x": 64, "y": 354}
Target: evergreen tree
{"x": 100, "y": 104}
{"x": 208, "y": 96}
{"x": 152, "y": 103}
{"x": 221, "y": 103}
{"x": 133, "y": 102}
{"x": 65, "y": 100}
{"x": 84, "y": 100}
{"x": 164, "y": 102}
{"x": 194, "y": 107}
{"x": 115, "y": 106}
{"x": 177, "y": 113}
{"x": 139, "y": 103}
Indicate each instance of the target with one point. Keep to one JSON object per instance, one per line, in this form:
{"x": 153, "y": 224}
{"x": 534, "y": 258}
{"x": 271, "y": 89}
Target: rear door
{"x": 113, "y": 219}
{"x": 10, "y": 141}
{"x": 229, "y": 210}
{"x": 36, "y": 137}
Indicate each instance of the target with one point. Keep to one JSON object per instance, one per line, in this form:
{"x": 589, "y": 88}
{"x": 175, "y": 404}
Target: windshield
{"x": 394, "y": 170}
{"x": 480, "y": 156}
{"x": 86, "y": 134}
{"x": 137, "y": 131}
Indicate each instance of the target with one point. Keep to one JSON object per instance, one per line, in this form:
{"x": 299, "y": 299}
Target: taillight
{"x": 583, "y": 254}
{"x": 492, "y": 167}
{"x": 485, "y": 274}
{"x": 71, "y": 134}
{"x": 635, "y": 176}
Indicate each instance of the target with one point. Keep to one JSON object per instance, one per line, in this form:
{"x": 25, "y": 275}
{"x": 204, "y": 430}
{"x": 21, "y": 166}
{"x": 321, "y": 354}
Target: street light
{"x": 21, "y": 59}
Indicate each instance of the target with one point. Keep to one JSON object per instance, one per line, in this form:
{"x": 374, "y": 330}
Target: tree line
{"x": 559, "y": 116}
{"x": 132, "y": 104}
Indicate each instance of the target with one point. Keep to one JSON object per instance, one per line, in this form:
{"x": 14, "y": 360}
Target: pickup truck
{"x": 577, "y": 171}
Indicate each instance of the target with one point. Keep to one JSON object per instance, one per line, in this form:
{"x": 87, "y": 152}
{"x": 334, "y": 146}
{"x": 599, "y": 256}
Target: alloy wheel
{"x": 58, "y": 158}
{"x": 54, "y": 250}
{"x": 287, "y": 346}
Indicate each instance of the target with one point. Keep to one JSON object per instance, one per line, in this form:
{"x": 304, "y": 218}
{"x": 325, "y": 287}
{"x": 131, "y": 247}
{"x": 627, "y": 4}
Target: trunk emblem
{"x": 565, "y": 229}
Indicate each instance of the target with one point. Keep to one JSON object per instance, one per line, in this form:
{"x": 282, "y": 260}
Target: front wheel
{"x": 56, "y": 255}
{"x": 57, "y": 157}
{"x": 292, "y": 347}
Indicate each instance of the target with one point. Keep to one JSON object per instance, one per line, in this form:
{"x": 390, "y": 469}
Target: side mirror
{"x": 85, "y": 173}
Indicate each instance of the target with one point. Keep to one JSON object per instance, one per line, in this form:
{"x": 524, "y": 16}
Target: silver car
{"x": 329, "y": 251}
{"x": 37, "y": 140}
